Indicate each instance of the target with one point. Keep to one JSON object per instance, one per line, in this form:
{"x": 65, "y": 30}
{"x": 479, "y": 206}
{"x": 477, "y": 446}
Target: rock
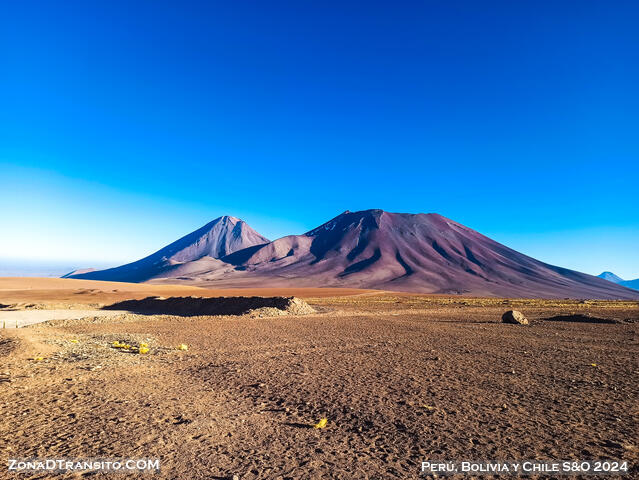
{"x": 514, "y": 317}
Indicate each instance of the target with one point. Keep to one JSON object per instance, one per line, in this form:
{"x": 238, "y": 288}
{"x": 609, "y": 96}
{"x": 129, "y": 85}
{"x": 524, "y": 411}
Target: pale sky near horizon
{"x": 125, "y": 126}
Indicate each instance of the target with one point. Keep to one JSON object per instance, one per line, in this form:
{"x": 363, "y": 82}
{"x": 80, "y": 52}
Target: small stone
{"x": 514, "y": 317}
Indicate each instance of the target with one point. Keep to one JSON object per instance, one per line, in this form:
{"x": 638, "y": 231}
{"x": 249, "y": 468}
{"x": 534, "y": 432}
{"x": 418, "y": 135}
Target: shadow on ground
{"x": 581, "y": 318}
{"x": 196, "y": 306}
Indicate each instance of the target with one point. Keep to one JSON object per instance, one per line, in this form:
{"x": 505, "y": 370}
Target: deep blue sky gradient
{"x": 125, "y": 125}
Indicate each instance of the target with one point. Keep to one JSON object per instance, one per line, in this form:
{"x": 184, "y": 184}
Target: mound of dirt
{"x": 581, "y": 318}
{"x": 196, "y": 306}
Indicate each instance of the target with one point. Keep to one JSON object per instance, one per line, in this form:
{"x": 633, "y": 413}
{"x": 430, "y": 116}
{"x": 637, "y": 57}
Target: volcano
{"x": 611, "y": 277}
{"x": 216, "y": 239}
{"x": 424, "y": 253}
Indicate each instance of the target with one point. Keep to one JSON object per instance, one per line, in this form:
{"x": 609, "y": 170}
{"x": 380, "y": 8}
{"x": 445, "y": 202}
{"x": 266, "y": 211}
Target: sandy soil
{"x": 71, "y": 293}
{"x": 400, "y": 379}
{"x": 22, "y": 318}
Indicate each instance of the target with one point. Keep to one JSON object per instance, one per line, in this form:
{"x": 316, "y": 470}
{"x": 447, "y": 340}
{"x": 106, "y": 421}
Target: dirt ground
{"x": 72, "y": 293}
{"x": 400, "y": 378}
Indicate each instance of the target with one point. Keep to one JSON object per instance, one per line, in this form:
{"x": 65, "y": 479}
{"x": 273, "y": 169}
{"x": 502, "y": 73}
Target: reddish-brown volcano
{"x": 376, "y": 249}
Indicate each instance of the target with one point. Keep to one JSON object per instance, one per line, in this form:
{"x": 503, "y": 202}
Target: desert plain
{"x": 400, "y": 378}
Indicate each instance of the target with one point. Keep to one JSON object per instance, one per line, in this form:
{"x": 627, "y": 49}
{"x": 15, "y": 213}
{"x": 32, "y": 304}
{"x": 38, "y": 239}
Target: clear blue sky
{"x": 124, "y": 125}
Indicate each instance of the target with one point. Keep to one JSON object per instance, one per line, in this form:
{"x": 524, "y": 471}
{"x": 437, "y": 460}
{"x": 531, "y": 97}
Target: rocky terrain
{"x": 400, "y": 379}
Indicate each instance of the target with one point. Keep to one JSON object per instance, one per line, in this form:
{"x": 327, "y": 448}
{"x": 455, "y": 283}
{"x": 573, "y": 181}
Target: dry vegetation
{"x": 436, "y": 301}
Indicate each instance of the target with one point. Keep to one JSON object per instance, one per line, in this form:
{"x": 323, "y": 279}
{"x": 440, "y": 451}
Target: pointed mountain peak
{"x": 222, "y": 236}
{"x": 611, "y": 277}
{"x": 224, "y": 219}
{"x": 216, "y": 239}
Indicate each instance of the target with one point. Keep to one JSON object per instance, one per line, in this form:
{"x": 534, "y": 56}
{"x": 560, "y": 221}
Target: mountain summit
{"x": 216, "y": 239}
{"x": 406, "y": 252}
{"x": 611, "y": 277}
{"x": 425, "y": 253}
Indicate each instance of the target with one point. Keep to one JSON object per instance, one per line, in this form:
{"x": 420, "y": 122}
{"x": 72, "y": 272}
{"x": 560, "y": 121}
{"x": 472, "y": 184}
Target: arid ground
{"x": 401, "y": 378}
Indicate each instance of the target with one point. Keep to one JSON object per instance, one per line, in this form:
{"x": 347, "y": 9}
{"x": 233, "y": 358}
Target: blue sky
{"x": 125, "y": 125}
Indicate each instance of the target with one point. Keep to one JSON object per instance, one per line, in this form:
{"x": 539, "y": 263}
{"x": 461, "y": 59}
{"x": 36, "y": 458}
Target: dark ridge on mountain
{"x": 216, "y": 239}
{"x": 611, "y": 277}
{"x": 425, "y": 253}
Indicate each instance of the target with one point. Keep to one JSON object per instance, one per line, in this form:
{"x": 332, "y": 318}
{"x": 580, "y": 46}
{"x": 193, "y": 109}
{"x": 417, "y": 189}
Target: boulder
{"x": 515, "y": 317}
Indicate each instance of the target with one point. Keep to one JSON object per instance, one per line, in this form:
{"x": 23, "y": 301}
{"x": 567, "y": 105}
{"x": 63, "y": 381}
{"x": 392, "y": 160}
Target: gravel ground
{"x": 23, "y": 318}
{"x": 400, "y": 379}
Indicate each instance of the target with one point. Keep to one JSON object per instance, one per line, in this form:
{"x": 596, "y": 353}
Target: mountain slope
{"x": 611, "y": 277}
{"x": 634, "y": 284}
{"x": 216, "y": 239}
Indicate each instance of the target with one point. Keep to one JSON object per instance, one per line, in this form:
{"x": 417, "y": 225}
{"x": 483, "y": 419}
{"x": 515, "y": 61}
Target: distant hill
{"x": 368, "y": 249}
{"x": 611, "y": 277}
